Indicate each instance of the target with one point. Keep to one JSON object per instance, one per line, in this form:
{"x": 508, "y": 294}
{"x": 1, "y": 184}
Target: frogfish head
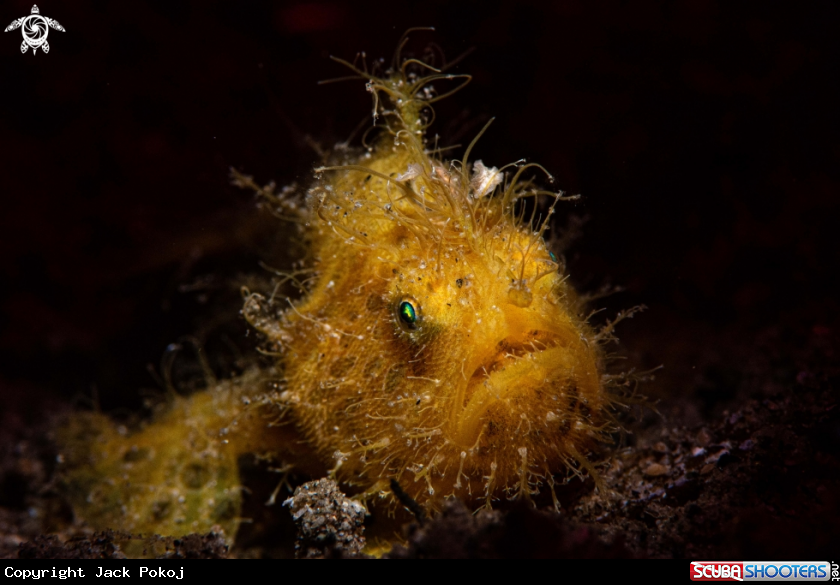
{"x": 440, "y": 343}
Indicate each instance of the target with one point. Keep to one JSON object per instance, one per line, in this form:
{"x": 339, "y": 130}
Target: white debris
{"x": 484, "y": 180}
{"x": 414, "y": 170}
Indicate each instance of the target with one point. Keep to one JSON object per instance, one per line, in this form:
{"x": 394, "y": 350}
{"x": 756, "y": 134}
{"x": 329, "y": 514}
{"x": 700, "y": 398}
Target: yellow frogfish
{"x": 438, "y": 343}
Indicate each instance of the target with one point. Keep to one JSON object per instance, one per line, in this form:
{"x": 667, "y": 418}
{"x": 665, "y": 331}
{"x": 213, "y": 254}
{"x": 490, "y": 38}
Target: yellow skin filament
{"x": 439, "y": 344}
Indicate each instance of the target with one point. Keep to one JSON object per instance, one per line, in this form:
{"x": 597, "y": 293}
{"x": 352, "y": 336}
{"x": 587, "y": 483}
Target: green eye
{"x": 408, "y": 313}
{"x": 553, "y": 257}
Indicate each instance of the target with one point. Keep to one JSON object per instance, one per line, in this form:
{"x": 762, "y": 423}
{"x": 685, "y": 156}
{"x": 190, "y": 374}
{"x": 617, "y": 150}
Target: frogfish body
{"x": 439, "y": 344}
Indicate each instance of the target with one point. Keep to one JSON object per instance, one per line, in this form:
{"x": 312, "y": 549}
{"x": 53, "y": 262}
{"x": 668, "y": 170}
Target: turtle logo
{"x": 35, "y": 28}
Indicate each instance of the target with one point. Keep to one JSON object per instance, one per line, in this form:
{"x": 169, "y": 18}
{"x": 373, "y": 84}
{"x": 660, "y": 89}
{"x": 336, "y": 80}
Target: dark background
{"x": 702, "y": 136}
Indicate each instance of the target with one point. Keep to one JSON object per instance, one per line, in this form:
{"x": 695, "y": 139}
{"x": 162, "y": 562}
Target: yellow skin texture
{"x": 497, "y": 386}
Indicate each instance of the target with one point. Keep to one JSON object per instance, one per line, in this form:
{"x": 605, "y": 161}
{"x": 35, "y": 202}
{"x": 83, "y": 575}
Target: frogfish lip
{"x": 511, "y": 350}
{"x": 517, "y": 365}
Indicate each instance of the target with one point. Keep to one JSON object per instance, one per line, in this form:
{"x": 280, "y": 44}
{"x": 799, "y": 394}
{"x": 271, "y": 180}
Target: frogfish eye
{"x": 408, "y": 314}
{"x": 553, "y": 257}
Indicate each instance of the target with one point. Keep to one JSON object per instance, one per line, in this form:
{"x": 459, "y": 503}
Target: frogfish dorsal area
{"x": 437, "y": 343}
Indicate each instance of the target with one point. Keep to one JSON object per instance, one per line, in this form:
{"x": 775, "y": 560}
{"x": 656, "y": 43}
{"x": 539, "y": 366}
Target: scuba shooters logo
{"x": 35, "y": 29}
{"x": 761, "y": 571}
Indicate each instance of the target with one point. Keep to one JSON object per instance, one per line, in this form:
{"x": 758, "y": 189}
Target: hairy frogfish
{"x": 438, "y": 343}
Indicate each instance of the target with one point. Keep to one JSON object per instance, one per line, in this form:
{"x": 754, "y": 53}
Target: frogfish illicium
{"x": 437, "y": 343}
